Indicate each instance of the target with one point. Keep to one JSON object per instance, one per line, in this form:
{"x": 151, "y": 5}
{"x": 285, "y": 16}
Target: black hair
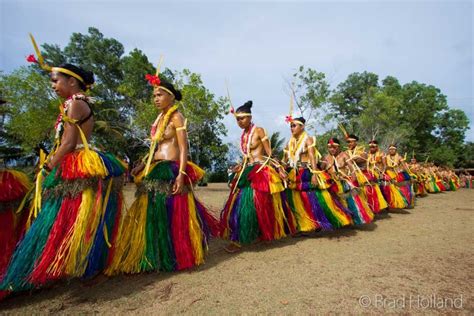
{"x": 373, "y": 141}
{"x": 353, "y": 136}
{"x": 177, "y": 94}
{"x": 87, "y": 76}
{"x": 300, "y": 119}
{"x": 246, "y": 108}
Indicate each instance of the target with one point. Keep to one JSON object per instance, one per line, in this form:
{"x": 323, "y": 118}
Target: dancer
{"x": 166, "y": 228}
{"x": 396, "y": 172}
{"x": 338, "y": 164}
{"x": 307, "y": 193}
{"x": 255, "y": 209}
{"x": 14, "y": 186}
{"x": 78, "y": 203}
{"x": 363, "y": 176}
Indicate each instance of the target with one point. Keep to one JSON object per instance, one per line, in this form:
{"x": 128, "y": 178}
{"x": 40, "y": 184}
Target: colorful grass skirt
{"x": 75, "y": 232}
{"x": 161, "y": 230}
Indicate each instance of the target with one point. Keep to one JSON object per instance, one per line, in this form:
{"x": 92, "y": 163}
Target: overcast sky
{"x": 255, "y": 45}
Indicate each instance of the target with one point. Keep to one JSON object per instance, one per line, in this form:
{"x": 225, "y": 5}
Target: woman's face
{"x": 162, "y": 99}
{"x": 243, "y": 121}
{"x": 392, "y": 151}
{"x": 296, "y": 129}
{"x": 62, "y": 84}
{"x": 373, "y": 149}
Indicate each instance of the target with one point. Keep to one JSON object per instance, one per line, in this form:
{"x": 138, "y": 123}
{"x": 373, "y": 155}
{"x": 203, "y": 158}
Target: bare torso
{"x": 258, "y": 153}
{"x": 375, "y": 161}
{"x": 167, "y": 148}
{"x": 335, "y": 164}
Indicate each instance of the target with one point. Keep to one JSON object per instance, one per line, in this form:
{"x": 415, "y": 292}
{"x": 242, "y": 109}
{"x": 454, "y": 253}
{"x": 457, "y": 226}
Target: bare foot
{"x": 232, "y": 247}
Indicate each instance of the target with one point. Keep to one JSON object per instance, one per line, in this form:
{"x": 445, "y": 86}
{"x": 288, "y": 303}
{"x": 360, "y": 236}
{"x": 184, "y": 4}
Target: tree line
{"x": 414, "y": 115}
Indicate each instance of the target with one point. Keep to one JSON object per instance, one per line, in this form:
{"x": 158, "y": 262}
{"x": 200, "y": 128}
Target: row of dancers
{"x": 72, "y": 223}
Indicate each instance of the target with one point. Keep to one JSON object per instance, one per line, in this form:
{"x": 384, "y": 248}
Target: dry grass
{"x": 422, "y": 252}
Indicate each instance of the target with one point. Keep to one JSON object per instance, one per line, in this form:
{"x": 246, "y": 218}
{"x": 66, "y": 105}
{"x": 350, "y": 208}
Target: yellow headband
{"x": 68, "y": 72}
{"x": 167, "y": 90}
{"x": 242, "y": 114}
{"x": 297, "y": 122}
{"x": 350, "y": 138}
{"x": 394, "y": 147}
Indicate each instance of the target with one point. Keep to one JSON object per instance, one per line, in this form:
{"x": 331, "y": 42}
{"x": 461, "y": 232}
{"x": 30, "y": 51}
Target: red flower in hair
{"x": 288, "y": 118}
{"x": 331, "y": 142}
{"x": 31, "y": 59}
{"x": 232, "y": 109}
{"x": 153, "y": 80}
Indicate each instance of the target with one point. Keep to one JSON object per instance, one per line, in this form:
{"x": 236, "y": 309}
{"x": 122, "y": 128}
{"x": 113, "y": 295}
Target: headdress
{"x": 299, "y": 120}
{"x": 164, "y": 85}
{"x": 373, "y": 143}
{"x": 86, "y": 78}
{"x": 333, "y": 141}
{"x": 348, "y": 136}
{"x": 159, "y": 126}
{"x": 244, "y": 110}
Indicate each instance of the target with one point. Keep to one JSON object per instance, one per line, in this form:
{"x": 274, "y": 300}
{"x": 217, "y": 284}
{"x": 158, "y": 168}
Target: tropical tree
{"x": 277, "y": 144}
{"x": 123, "y": 107}
{"x": 310, "y": 92}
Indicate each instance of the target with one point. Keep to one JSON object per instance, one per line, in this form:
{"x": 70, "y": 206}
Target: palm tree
{"x": 278, "y": 144}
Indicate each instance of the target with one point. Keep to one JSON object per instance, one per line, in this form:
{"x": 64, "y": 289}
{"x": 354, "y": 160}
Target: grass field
{"x": 400, "y": 263}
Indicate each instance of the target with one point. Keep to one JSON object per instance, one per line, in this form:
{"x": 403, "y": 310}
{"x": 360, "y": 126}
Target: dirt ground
{"x": 419, "y": 260}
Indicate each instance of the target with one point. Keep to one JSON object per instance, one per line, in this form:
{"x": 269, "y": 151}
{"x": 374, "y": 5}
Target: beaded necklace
{"x": 246, "y": 139}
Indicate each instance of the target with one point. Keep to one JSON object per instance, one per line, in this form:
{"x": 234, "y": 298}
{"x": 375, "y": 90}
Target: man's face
{"x": 296, "y": 129}
{"x": 333, "y": 149}
{"x": 351, "y": 143}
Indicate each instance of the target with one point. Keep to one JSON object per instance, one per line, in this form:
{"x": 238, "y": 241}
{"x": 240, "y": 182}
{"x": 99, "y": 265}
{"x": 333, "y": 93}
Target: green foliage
{"x": 123, "y": 110}
{"x": 414, "y": 116}
{"x": 134, "y": 68}
{"x": 346, "y": 100}
{"x": 204, "y": 113}
{"x": 443, "y": 155}
{"x": 218, "y": 176}
{"x": 277, "y": 144}
{"x": 322, "y": 140}
{"x": 30, "y": 111}
{"x": 466, "y": 159}
{"x": 310, "y": 90}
